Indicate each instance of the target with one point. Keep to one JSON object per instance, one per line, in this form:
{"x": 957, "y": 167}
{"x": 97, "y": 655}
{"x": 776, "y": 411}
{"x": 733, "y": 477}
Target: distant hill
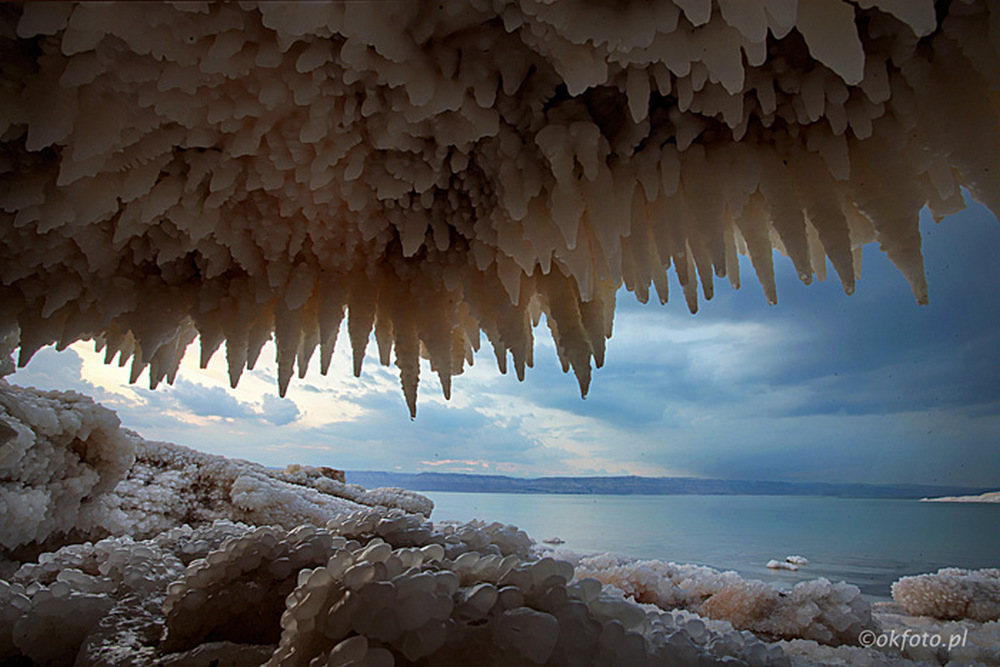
{"x": 633, "y": 485}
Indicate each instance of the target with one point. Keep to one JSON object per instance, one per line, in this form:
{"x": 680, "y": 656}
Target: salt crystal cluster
{"x": 951, "y": 593}
{"x": 378, "y": 587}
{"x": 817, "y": 610}
{"x": 60, "y": 456}
{"x": 67, "y": 470}
{"x": 452, "y": 168}
{"x": 193, "y": 559}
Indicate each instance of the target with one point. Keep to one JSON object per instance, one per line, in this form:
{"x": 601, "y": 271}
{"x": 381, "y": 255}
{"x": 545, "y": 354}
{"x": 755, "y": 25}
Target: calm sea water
{"x": 869, "y": 543}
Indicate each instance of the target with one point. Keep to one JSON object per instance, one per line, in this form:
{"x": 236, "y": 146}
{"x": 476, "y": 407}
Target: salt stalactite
{"x": 239, "y": 171}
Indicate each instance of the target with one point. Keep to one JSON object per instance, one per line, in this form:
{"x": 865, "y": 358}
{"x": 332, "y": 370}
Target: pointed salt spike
{"x": 126, "y": 346}
{"x": 326, "y": 350}
{"x": 331, "y": 314}
{"x": 30, "y": 344}
{"x": 306, "y": 349}
{"x": 752, "y": 225}
{"x": 661, "y": 286}
{"x": 510, "y": 275}
{"x": 592, "y": 316}
{"x": 211, "y": 339}
{"x": 637, "y": 90}
{"x": 583, "y": 378}
{"x": 500, "y": 352}
{"x": 690, "y": 287}
{"x": 704, "y": 209}
{"x": 361, "y": 319}
{"x": 111, "y": 349}
{"x": 519, "y": 364}
{"x": 732, "y": 261}
{"x": 236, "y": 358}
{"x": 747, "y": 16}
{"x": 818, "y": 191}
{"x": 698, "y": 12}
{"x": 567, "y": 327}
{"x": 137, "y": 365}
{"x": 383, "y": 336}
{"x": 310, "y": 338}
{"x": 703, "y": 263}
{"x": 284, "y": 377}
{"x": 288, "y": 337}
{"x": 893, "y": 207}
{"x": 445, "y": 380}
{"x": 920, "y": 15}
{"x": 259, "y": 334}
{"x": 43, "y": 18}
{"x": 781, "y": 16}
{"x": 830, "y": 32}
{"x": 408, "y": 361}
{"x": 816, "y": 254}
{"x": 786, "y": 212}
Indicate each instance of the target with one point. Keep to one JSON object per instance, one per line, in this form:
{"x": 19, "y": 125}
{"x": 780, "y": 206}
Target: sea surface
{"x": 867, "y": 542}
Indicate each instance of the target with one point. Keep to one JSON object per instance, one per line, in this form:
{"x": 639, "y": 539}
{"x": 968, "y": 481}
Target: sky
{"x": 821, "y": 387}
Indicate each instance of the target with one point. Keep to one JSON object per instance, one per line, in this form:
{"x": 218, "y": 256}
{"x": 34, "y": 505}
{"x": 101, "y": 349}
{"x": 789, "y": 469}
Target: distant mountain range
{"x": 633, "y": 485}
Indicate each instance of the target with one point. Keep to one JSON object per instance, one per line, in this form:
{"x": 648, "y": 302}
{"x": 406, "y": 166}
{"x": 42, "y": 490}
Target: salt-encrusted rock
{"x": 60, "y": 456}
{"x": 829, "y": 613}
{"x": 951, "y": 593}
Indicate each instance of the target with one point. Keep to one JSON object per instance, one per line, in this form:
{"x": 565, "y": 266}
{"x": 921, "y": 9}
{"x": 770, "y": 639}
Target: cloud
{"x": 279, "y": 411}
{"x": 198, "y": 399}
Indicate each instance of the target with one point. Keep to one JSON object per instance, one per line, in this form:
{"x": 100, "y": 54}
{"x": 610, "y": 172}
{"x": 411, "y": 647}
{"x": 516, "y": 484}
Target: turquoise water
{"x": 869, "y": 543}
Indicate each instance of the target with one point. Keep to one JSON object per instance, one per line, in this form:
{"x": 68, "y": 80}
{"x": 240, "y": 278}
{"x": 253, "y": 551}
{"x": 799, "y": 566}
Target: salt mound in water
{"x": 829, "y": 613}
{"x": 951, "y": 593}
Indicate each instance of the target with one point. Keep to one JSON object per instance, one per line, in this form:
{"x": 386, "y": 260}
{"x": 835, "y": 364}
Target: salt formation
{"x": 781, "y": 565}
{"x": 377, "y": 586}
{"x": 792, "y": 563}
{"x": 818, "y": 610}
{"x": 193, "y": 559}
{"x": 447, "y": 169}
{"x": 67, "y": 469}
{"x": 60, "y": 455}
{"x": 951, "y": 593}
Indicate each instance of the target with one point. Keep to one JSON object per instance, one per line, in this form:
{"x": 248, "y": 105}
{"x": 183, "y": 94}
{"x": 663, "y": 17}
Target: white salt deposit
{"x": 237, "y": 171}
{"x": 781, "y": 565}
{"x": 951, "y": 593}
{"x": 233, "y": 172}
{"x": 818, "y": 610}
{"x": 193, "y": 558}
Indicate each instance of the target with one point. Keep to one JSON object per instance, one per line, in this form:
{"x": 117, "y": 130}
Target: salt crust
{"x": 68, "y": 469}
{"x": 951, "y": 593}
{"x": 451, "y": 168}
{"x": 60, "y": 455}
{"x": 214, "y": 559}
{"x": 828, "y": 613}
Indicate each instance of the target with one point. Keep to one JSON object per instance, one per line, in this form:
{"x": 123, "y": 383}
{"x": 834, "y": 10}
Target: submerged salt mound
{"x": 448, "y": 169}
{"x": 829, "y": 613}
{"x": 951, "y": 593}
{"x": 60, "y": 456}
